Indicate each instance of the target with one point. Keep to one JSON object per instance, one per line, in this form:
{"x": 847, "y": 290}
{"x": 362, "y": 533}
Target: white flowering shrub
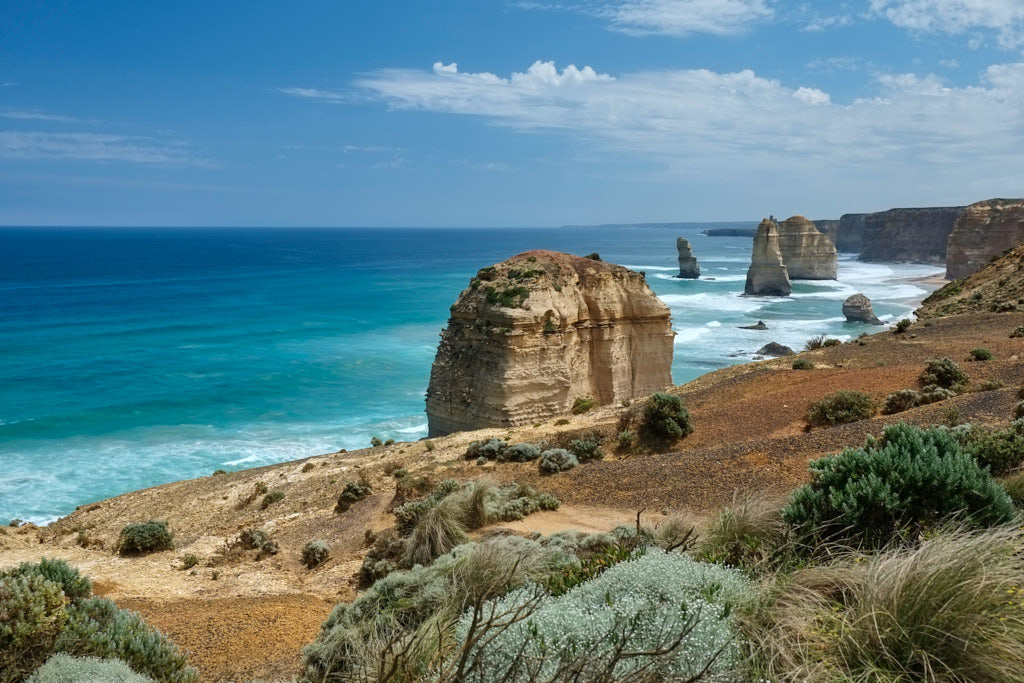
{"x": 659, "y": 616}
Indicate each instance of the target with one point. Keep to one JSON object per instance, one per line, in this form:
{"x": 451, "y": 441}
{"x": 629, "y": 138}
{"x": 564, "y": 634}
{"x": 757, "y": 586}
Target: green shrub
{"x": 315, "y": 553}
{"x": 271, "y": 498}
{"x": 626, "y": 439}
{"x": 981, "y": 354}
{"x": 75, "y": 586}
{"x": 492, "y": 449}
{"x": 947, "y": 610}
{"x": 561, "y": 421}
{"x": 901, "y": 400}
{"x": 582, "y": 404}
{"x": 32, "y": 614}
{"x": 840, "y": 407}
{"x": 1017, "y": 332}
{"x": 189, "y": 561}
{"x": 903, "y": 325}
{"x": 429, "y": 445}
{"x": 1014, "y": 485}
{"x": 944, "y": 373}
{"x": 815, "y": 342}
{"x": 145, "y": 537}
{"x": 1000, "y": 450}
{"x": 1018, "y": 410}
{"x": 353, "y": 492}
{"x": 803, "y": 364}
{"x": 906, "y": 482}
{"x": 61, "y": 668}
{"x": 376, "y": 441}
{"x": 257, "y": 539}
{"x": 556, "y": 460}
{"x": 990, "y": 385}
{"x": 520, "y": 452}
{"x": 671, "y": 614}
{"x": 831, "y": 342}
{"x": 587, "y": 448}
{"x": 665, "y": 416}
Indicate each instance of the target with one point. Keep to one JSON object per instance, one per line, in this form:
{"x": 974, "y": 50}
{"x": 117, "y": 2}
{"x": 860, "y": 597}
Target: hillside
{"x": 243, "y": 617}
{"x": 998, "y": 287}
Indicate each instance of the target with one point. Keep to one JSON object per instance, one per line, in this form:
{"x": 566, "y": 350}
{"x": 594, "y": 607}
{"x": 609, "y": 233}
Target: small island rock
{"x": 774, "y": 350}
{"x": 688, "y": 266}
{"x": 857, "y": 309}
{"x": 759, "y": 326}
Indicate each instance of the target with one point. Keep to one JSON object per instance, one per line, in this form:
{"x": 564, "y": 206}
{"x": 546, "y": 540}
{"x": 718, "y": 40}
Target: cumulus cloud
{"x": 1004, "y": 18}
{"x": 701, "y": 122}
{"x": 92, "y": 147}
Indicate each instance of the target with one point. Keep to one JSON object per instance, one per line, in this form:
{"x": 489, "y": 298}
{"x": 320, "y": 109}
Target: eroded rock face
{"x": 688, "y": 266}
{"x": 850, "y": 234}
{"x": 767, "y": 274}
{"x": 914, "y": 235}
{"x": 857, "y": 308}
{"x": 985, "y": 229}
{"x": 828, "y": 228}
{"x": 808, "y": 254}
{"x": 534, "y": 333}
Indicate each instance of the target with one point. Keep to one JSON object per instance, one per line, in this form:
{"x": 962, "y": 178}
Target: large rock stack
{"x": 808, "y": 254}
{"x": 688, "y": 266}
{"x": 767, "y": 274}
{"x": 985, "y": 229}
{"x": 534, "y": 333}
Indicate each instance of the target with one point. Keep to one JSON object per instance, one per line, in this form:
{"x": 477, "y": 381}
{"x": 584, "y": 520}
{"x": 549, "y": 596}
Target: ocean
{"x": 134, "y": 357}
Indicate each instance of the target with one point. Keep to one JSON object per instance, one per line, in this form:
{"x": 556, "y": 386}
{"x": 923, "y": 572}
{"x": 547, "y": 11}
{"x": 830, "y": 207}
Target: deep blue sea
{"x": 133, "y": 357}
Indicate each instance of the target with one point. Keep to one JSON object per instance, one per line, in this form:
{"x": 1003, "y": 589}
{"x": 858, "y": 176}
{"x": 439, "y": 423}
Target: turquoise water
{"x": 133, "y": 357}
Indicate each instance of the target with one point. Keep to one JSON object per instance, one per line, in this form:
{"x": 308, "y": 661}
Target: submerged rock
{"x": 688, "y": 266}
{"x": 532, "y": 334}
{"x": 759, "y": 326}
{"x": 774, "y": 350}
{"x": 985, "y": 229}
{"x": 767, "y": 273}
{"x": 857, "y": 308}
{"x": 808, "y": 254}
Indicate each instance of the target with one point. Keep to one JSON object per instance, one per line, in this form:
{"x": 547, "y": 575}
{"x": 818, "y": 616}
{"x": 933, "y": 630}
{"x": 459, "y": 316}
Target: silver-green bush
{"x": 61, "y": 668}
{"x": 557, "y": 460}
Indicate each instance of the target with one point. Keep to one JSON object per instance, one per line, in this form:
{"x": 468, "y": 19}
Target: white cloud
{"x": 33, "y": 115}
{"x": 317, "y": 94}
{"x": 700, "y": 123}
{"x": 1005, "y": 18}
{"x": 683, "y": 17}
{"x": 92, "y": 147}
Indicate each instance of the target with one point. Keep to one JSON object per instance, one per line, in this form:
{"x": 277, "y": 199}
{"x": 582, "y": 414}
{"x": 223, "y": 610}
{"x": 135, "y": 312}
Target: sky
{"x": 503, "y": 112}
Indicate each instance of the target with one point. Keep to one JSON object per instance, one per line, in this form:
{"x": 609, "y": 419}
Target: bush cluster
{"x": 555, "y": 460}
{"x": 803, "y": 364}
{"x": 353, "y": 492}
{"x": 257, "y": 539}
{"x": 981, "y": 354}
{"x": 905, "y": 399}
{"x": 587, "y": 447}
{"x": 62, "y": 668}
{"x": 665, "y": 415}
{"x": 1001, "y": 451}
{"x": 944, "y": 373}
{"x": 315, "y": 553}
{"x": 145, "y": 537}
{"x": 840, "y": 407}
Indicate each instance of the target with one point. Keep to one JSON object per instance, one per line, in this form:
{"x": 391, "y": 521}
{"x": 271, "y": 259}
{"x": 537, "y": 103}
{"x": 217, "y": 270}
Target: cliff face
{"x": 688, "y": 266}
{"x": 915, "y": 235}
{"x": 767, "y": 273}
{"x": 850, "y": 234}
{"x": 829, "y": 229}
{"x": 985, "y": 229}
{"x": 807, "y": 253}
{"x": 534, "y": 333}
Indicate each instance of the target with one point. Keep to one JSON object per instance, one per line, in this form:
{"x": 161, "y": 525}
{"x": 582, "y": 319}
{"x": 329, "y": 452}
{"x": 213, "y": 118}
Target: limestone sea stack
{"x": 767, "y": 274}
{"x": 985, "y": 229}
{"x": 808, "y": 254}
{"x": 533, "y": 333}
{"x": 857, "y": 308}
{"x": 688, "y": 266}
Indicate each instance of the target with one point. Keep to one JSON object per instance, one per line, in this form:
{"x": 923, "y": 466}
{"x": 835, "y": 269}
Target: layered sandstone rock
{"x": 914, "y": 235}
{"x": 534, "y": 333}
{"x": 857, "y": 308}
{"x": 828, "y": 228}
{"x": 767, "y": 273}
{"x": 688, "y": 266}
{"x": 850, "y": 233}
{"x": 985, "y": 229}
{"x": 808, "y": 254}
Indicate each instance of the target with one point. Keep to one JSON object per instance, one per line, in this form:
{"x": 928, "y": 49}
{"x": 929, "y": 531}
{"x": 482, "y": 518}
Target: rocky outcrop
{"x": 857, "y": 309}
{"x": 808, "y": 254}
{"x": 534, "y": 333}
{"x": 688, "y": 266}
{"x": 829, "y": 229}
{"x": 985, "y": 229}
{"x": 850, "y": 234}
{"x": 759, "y": 326}
{"x": 914, "y": 235}
{"x": 774, "y": 350}
{"x": 767, "y": 273}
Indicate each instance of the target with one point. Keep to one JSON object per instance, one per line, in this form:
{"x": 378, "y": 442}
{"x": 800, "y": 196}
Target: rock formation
{"x": 915, "y": 235}
{"x": 767, "y": 273}
{"x": 857, "y": 309}
{"x": 688, "y": 266}
{"x": 534, "y": 333}
{"x": 828, "y": 228}
{"x": 774, "y": 350}
{"x": 850, "y": 233}
{"x": 985, "y": 229}
{"x": 808, "y": 254}
{"x": 759, "y": 326}
{"x": 729, "y": 232}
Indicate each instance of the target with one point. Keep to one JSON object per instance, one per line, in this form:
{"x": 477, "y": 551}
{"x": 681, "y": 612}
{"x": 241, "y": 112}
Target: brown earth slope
{"x": 243, "y": 617}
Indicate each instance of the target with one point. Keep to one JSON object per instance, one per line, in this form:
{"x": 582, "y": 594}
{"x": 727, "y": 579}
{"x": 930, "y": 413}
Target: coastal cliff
{"x": 536, "y": 332}
{"x": 808, "y": 254}
{"x": 915, "y": 235}
{"x": 767, "y": 274}
{"x": 828, "y": 228}
{"x": 850, "y": 233}
{"x": 985, "y": 229}
{"x": 688, "y": 266}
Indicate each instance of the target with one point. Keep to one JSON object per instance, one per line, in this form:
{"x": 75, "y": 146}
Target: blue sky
{"x": 503, "y": 113}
